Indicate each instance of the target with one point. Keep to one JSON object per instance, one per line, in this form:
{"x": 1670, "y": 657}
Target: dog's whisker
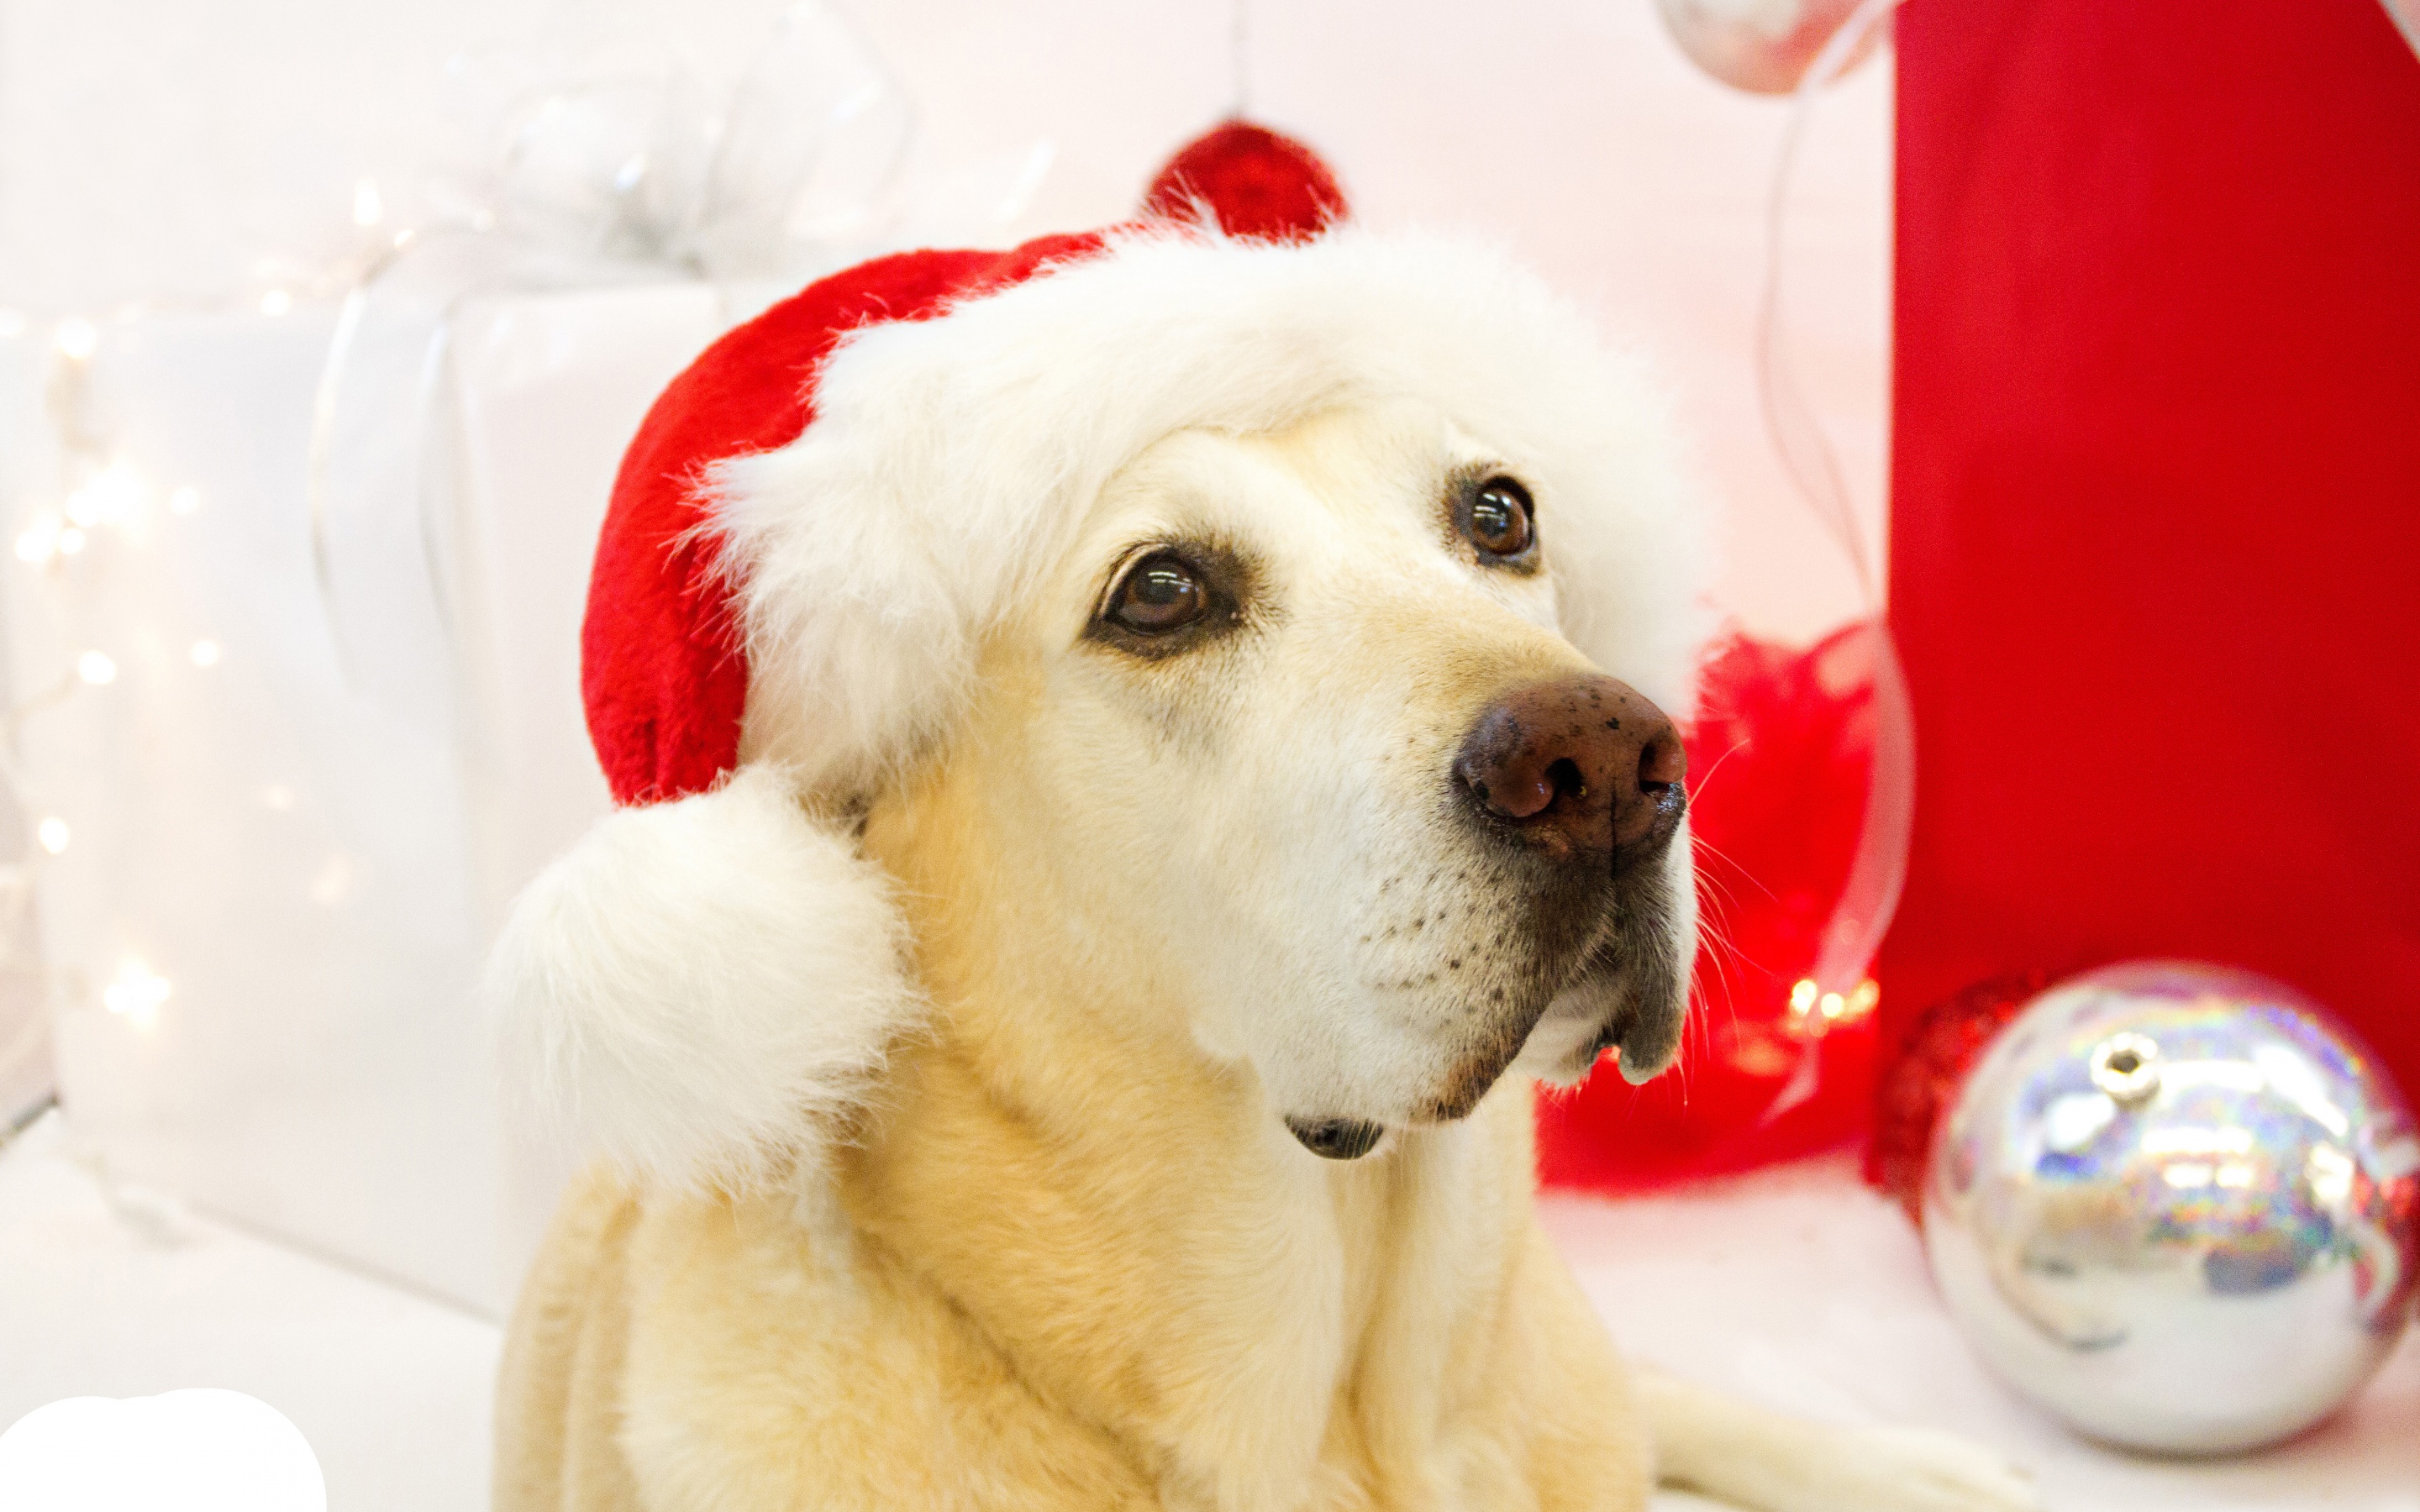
{"x": 1707, "y": 780}
{"x": 1710, "y": 848}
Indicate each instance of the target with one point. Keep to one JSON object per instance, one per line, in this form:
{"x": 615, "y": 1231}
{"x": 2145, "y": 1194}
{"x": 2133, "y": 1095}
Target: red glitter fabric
{"x": 1930, "y": 1055}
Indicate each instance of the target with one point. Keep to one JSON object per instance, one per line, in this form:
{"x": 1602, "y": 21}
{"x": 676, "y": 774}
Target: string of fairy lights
{"x": 98, "y": 490}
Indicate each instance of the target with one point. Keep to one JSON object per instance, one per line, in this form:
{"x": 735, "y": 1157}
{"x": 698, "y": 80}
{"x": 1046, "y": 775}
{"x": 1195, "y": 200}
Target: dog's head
{"x": 1321, "y": 603}
{"x": 1298, "y": 713}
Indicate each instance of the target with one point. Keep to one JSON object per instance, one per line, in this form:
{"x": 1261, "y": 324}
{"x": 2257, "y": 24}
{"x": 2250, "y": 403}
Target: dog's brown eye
{"x": 1162, "y": 593}
{"x": 1499, "y": 519}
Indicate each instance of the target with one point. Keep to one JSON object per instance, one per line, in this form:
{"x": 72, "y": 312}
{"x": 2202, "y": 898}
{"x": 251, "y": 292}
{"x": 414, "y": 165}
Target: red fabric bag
{"x": 2155, "y": 556}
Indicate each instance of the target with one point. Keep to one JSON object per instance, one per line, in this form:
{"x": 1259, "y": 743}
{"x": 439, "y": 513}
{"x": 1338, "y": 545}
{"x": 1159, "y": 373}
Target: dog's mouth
{"x": 1626, "y": 994}
{"x": 1636, "y": 990}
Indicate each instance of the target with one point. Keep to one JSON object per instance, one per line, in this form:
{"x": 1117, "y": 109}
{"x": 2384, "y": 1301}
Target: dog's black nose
{"x": 1581, "y": 766}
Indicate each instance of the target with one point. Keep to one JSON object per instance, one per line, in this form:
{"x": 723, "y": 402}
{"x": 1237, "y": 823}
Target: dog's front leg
{"x": 1709, "y": 1443}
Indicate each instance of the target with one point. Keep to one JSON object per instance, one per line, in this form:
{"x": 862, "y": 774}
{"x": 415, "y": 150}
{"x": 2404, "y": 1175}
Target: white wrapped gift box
{"x": 279, "y": 882}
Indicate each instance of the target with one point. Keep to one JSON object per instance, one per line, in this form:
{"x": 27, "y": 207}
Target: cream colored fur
{"x": 1068, "y": 1255}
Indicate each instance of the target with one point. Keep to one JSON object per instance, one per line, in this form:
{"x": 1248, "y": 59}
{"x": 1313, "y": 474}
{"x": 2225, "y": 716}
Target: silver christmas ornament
{"x": 2179, "y": 1207}
{"x": 2406, "y": 14}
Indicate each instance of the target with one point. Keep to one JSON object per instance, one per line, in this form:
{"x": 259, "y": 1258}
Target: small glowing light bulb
{"x": 118, "y": 491}
{"x": 77, "y": 340}
{"x": 53, "y": 833}
{"x": 205, "y": 653}
{"x": 115, "y": 492}
{"x": 184, "y": 499}
{"x": 96, "y": 668}
{"x": 137, "y": 992}
{"x": 41, "y": 541}
{"x": 369, "y": 207}
{"x": 277, "y": 302}
{"x": 1862, "y": 1001}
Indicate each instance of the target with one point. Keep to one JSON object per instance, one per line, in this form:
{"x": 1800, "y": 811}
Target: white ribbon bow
{"x": 627, "y": 171}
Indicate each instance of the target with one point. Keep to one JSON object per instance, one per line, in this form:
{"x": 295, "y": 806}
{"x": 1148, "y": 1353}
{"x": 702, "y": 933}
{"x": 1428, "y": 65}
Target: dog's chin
{"x": 1638, "y": 1016}
{"x": 1627, "y": 992}
{"x": 1563, "y": 1050}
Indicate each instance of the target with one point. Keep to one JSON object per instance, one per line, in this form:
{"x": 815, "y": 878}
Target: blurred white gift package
{"x": 288, "y": 757}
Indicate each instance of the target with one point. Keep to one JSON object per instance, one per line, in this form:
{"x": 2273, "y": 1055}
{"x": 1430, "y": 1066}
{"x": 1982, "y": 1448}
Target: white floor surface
{"x": 1798, "y": 1289}
{"x": 1803, "y": 1290}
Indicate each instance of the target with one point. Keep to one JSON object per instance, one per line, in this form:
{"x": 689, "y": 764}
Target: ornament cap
{"x": 2126, "y": 1067}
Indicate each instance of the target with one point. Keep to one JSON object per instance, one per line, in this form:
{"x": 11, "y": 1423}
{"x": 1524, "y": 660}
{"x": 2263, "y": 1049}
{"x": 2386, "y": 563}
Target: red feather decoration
{"x": 1778, "y": 763}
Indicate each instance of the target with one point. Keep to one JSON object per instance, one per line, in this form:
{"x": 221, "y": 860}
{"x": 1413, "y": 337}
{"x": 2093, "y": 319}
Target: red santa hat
{"x": 820, "y": 517}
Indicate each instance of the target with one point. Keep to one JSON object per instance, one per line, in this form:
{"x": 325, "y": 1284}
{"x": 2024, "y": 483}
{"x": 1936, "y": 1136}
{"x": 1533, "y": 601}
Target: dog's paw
{"x": 1918, "y": 1470}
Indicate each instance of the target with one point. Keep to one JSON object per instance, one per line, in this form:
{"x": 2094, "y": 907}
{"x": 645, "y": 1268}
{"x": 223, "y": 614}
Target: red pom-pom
{"x": 1923, "y": 1077}
{"x": 1259, "y": 185}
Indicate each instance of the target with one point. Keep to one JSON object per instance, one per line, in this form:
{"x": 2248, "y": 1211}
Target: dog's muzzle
{"x": 1582, "y": 775}
{"x": 1576, "y": 782}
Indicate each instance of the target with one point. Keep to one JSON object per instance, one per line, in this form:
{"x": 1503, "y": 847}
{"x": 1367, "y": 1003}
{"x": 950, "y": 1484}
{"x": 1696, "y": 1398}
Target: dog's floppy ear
{"x": 703, "y": 989}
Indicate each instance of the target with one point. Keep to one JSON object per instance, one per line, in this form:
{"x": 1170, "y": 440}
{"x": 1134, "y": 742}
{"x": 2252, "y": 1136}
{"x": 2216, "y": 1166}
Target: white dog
{"x": 1147, "y": 746}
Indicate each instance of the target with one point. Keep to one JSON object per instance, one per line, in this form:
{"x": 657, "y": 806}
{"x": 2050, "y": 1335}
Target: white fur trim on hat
{"x": 703, "y": 989}
{"x": 952, "y": 461}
